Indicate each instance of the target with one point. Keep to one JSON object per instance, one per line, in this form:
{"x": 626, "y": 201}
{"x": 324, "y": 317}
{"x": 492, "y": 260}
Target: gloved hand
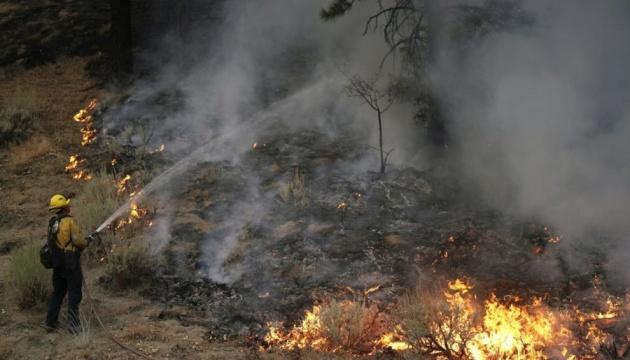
{"x": 95, "y": 237}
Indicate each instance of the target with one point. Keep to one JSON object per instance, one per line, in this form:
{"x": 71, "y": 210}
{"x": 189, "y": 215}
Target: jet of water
{"x": 205, "y": 152}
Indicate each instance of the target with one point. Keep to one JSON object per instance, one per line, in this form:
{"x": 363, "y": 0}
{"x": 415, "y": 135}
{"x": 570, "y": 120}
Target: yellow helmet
{"x": 58, "y": 202}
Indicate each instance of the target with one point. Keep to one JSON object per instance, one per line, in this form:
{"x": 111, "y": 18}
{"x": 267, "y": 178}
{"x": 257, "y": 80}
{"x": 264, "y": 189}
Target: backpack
{"x": 50, "y": 255}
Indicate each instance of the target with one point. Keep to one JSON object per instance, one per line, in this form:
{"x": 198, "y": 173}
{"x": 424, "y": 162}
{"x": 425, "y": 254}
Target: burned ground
{"x": 353, "y": 231}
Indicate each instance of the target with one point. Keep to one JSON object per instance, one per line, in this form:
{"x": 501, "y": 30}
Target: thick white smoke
{"x": 542, "y": 116}
{"x": 539, "y": 116}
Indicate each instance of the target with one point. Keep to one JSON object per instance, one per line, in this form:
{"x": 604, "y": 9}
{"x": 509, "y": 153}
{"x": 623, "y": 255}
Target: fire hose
{"x": 109, "y": 335}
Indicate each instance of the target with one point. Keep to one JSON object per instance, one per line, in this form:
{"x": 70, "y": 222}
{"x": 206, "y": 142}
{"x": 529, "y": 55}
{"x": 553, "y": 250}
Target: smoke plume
{"x": 540, "y": 117}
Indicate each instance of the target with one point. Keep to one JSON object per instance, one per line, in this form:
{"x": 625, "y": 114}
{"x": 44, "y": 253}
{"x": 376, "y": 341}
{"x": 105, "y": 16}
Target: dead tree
{"x": 380, "y": 101}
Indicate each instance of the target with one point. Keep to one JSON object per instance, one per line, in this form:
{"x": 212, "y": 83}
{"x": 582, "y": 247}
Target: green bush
{"x": 128, "y": 266}
{"x": 17, "y": 118}
{"x": 28, "y": 282}
{"x": 16, "y": 125}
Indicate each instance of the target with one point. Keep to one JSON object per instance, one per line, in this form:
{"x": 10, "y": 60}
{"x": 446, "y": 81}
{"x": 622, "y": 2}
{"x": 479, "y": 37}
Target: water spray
{"x": 191, "y": 159}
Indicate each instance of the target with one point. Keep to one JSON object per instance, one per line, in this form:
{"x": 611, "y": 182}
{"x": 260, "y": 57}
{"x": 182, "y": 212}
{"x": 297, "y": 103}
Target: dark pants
{"x": 70, "y": 281}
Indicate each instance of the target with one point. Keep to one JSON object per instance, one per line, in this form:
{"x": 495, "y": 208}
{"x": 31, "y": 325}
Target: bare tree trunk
{"x": 380, "y": 140}
{"x": 436, "y": 128}
{"x": 121, "y": 42}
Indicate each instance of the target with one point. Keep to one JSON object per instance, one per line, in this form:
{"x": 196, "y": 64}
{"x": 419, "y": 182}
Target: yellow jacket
{"x": 69, "y": 230}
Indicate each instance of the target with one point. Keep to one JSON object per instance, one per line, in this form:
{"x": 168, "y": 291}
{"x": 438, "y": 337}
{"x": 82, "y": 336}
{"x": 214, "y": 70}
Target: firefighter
{"x": 67, "y": 276}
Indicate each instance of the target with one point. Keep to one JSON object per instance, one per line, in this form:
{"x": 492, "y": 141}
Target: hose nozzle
{"x": 94, "y": 237}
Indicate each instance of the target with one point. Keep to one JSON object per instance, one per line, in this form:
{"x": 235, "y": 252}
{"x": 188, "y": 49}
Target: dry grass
{"x": 352, "y": 326}
{"x": 6, "y": 349}
{"x": 143, "y": 332}
{"x": 96, "y": 202}
{"x": 128, "y": 266}
{"x": 28, "y": 282}
{"x": 31, "y": 149}
{"x": 8, "y": 7}
{"x": 295, "y": 189}
{"x": 84, "y": 336}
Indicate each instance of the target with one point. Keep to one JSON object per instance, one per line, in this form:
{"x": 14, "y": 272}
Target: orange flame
{"x": 73, "y": 167}
{"x": 122, "y": 184}
{"x": 84, "y": 116}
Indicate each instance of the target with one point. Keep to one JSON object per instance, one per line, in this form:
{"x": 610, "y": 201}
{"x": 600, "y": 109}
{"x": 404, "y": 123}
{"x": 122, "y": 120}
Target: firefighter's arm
{"x": 77, "y": 237}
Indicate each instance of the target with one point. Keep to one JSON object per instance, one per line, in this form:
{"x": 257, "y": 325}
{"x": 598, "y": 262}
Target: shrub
{"x": 17, "y": 118}
{"x": 128, "y": 266}
{"x": 28, "y": 282}
{"x": 435, "y": 326}
{"x": 352, "y": 325}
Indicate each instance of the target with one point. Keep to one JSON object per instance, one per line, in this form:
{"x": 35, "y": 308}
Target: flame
{"x": 88, "y": 135}
{"x": 82, "y": 175}
{"x": 512, "y": 331}
{"x": 74, "y": 168}
{"x": 159, "y": 149}
{"x": 84, "y": 116}
{"x": 305, "y": 335}
{"x": 393, "y": 340}
{"x": 73, "y": 163}
{"x": 137, "y": 214}
{"x": 342, "y": 205}
{"x": 122, "y": 184}
{"x": 496, "y": 328}
{"x": 345, "y": 326}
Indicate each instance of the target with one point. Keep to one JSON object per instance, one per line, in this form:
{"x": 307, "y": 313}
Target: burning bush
{"x": 28, "y": 283}
{"x": 436, "y": 325}
{"x": 337, "y": 326}
{"x": 128, "y": 266}
{"x": 453, "y": 325}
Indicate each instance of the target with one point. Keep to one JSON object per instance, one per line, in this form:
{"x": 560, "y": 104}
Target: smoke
{"x": 540, "y": 117}
{"x": 270, "y": 65}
